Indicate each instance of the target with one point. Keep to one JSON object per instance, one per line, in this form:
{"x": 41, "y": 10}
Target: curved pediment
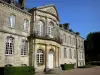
{"x": 50, "y": 9}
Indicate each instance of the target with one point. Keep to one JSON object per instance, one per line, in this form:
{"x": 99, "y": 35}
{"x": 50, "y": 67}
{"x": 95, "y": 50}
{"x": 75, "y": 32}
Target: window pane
{"x": 9, "y": 45}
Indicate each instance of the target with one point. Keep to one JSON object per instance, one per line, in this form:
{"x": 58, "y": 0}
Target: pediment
{"x": 50, "y": 9}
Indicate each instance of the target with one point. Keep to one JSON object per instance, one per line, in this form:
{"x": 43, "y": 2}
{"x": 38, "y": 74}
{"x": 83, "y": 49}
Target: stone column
{"x": 58, "y": 57}
{"x": 46, "y": 58}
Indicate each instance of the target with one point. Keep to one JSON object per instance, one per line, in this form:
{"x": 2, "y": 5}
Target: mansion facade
{"x": 34, "y": 37}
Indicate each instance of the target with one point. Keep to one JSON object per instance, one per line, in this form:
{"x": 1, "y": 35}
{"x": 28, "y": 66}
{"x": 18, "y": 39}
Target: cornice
{"x": 4, "y": 31}
{"x": 14, "y": 7}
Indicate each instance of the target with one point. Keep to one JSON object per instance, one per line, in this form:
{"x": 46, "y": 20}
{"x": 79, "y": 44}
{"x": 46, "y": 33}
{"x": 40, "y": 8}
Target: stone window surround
{"x": 24, "y": 48}
{"x": 9, "y": 45}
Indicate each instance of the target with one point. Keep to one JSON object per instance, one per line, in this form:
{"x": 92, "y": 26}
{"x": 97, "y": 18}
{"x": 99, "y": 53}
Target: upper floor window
{"x": 40, "y": 27}
{"x": 65, "y": 53}
{"x": 74, "y": 53}
{"x": 26, "y": 24}
{"x": 69, "y": 40}
{"x": 64, "y": 38}
{"x": 51, "y": 29}
{"x": 24, "y": 47}
{"x": 12, "y": 21}
{"x": 9, "y": 45}
{"x": 70, "y": 53}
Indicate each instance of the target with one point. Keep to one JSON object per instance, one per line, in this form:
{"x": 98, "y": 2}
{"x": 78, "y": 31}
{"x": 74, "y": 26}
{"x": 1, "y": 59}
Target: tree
{"x": 92, "y": 47}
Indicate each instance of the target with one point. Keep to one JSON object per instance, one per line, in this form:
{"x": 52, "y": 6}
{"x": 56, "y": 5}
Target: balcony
{"x": 47, "y": 37}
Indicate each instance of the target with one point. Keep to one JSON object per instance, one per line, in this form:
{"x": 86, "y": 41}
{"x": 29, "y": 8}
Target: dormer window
{"x": 12, "y": 21}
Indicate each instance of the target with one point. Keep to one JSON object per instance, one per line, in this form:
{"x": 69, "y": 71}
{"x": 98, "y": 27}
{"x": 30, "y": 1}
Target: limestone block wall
{"x": 16, "y": 59}
{"x": 5, "y": 12}
{"x": 17, "y": 33}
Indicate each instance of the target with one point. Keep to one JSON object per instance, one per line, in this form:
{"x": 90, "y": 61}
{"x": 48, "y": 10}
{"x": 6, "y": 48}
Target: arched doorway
{"x": 51, "y": 59}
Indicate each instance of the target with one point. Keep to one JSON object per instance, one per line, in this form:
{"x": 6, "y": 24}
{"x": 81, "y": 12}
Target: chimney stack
{"x": 22, "y": 3}
{"x": 66, "y": 26}
{"x": 10, "y": 1}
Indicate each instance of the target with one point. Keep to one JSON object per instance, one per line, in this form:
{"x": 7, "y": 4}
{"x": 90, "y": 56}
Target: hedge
{"x": 67, "y": 66}
{"x": 27, "y": 70}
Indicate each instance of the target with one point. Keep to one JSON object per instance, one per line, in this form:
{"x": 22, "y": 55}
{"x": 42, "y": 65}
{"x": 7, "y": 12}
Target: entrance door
{"x": 50, "y": 63}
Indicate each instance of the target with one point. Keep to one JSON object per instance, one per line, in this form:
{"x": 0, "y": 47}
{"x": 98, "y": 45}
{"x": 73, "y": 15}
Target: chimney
{"x": 13, "y": 1}
{"x": 10, "y": 1}
{"x": 66, "y": 26}
{"x": 22, "y": 3}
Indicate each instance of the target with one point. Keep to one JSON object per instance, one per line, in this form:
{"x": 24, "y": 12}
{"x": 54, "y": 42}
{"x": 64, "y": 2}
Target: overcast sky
{"x": 83, "y": 15}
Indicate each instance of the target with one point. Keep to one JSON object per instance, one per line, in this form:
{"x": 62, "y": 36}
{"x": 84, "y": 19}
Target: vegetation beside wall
{"x": 67, "y": 66}
{"x": 27, "y": 70}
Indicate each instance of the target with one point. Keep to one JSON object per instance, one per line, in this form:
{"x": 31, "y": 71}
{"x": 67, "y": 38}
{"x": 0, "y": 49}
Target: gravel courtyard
{"x": 82, "y": 71}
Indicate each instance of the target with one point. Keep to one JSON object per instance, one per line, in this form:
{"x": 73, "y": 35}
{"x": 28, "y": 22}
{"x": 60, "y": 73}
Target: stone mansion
{"x": 34, "y": 37}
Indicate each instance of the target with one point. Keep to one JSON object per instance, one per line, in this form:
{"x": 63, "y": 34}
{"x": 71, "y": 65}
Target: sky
{"x": 83, "y": 15}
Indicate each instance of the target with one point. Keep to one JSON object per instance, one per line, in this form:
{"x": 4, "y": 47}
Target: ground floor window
{"x": 40, "y": 57}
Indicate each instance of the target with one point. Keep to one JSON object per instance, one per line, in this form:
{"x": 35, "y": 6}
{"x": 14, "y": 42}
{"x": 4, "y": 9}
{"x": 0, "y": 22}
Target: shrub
{"x": 67, "y": 66}
{"x": 26, "y": 70}
{"x": 85, "y": 66}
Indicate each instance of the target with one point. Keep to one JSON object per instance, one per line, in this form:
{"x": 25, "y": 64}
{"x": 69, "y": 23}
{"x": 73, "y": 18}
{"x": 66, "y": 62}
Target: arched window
{"x": 23, "y": 64}
{"x": 40, "y": 57}
{"x": 40, "y": 28}
{"x": 8, "y": 65}
{"x": 51, "y": 29}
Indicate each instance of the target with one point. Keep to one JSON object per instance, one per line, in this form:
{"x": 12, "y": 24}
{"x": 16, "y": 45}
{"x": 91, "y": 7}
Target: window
{"x": 40, "y": 28}
{"x": 70, "y": 53}
{"x": 65, "y": 53}
{"x": 40, "y": 57}
{"x": 64, "y": 38}
{"x": 51, "y": 29}
{"x": 82, "y": 54}
{"x": 8, "y": 65}
{"x": 74, "y": 53}
{"x": 26, "y": 24}
{"x": 12, "y": 21}
{"x": 24, "y": 47}
{"x": 9, "y": 45}
{"x": 23, "y": 64}
{"x": 69, "y": 40}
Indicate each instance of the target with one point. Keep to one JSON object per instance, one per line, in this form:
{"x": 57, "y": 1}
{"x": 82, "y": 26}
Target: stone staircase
{"x": 54, "y": 71}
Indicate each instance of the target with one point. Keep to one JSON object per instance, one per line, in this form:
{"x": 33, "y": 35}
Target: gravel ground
{"x": 82, "y": 71}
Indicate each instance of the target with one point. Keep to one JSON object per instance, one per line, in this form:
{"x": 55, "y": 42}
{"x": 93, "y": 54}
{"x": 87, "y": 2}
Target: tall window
{"x": 82, "y": 54}
{"x": 40, "y": 57}
{"x": 40, "y": 28}
{"x": 24, "y": 47}
{"x": 74, "y": 53}
{"x": 12, "y": 21}
{"x": 9, "y": 45}
{"x": 51, "y": 29}
{"x": 65, "y": 53}
{"x": 70, "y": 53}
{"x": 69, "y": 40}
{"x": 26, "y": 24}
{"x": 64, "y": 38}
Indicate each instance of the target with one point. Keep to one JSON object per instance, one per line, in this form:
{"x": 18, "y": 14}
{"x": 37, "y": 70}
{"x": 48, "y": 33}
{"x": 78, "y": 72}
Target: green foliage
{"x": 27, "y": 70}
{"x": 92, "y": 47}
{"x": 67, "y": 66}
